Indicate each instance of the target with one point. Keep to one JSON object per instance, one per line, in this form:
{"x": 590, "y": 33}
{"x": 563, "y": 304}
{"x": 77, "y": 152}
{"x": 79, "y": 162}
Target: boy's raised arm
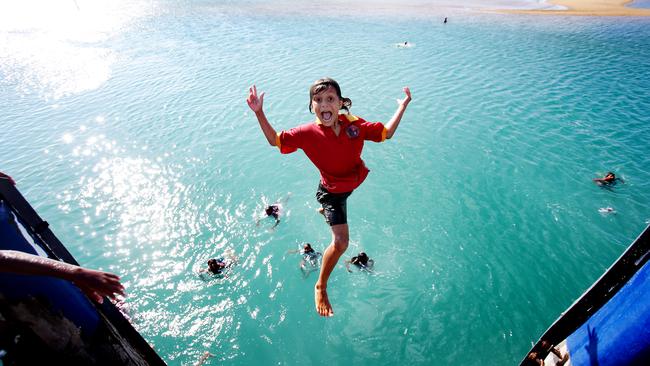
{"x": 391, "y": 126}
{"x": 255, "y": 103}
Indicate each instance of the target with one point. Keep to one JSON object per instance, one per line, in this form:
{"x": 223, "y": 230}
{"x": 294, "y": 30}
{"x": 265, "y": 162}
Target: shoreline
{"x": 586, "y": 8}
{"x": 428, "y": 9}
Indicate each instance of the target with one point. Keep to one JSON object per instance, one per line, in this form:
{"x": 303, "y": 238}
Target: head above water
{"x": 323, "y": 84}
{"x": 269, "y": 210}
{"x": 610, "y": 175}
{"x": 215, "y": 265}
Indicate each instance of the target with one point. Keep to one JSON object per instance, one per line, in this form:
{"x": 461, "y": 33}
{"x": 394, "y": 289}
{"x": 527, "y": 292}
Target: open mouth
{"x": 327, "y": 116}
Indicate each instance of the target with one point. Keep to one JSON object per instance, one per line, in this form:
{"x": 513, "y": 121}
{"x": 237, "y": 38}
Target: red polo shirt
{"x": 338, "y": 158}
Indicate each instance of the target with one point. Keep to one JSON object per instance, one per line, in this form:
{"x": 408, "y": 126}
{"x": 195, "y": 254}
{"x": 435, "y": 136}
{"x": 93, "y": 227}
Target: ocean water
{"x": 125, "y": 125}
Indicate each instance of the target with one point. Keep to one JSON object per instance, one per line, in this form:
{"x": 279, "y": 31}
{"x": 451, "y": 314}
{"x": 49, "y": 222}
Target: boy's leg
{"x": 340, "y": 239}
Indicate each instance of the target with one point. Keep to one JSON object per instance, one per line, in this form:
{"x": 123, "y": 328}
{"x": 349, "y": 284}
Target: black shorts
{"x": 334, "y": 205}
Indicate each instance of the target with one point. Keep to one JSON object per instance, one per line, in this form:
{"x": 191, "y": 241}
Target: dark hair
{"x": 610, "y": 173}
{"x": 323, "y": 84}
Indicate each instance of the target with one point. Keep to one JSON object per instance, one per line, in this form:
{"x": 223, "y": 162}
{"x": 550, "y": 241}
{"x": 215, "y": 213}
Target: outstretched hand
{"x": 254, "y": 101}
{"x": 404, "y": 102}
{"x": 97, "y": 284}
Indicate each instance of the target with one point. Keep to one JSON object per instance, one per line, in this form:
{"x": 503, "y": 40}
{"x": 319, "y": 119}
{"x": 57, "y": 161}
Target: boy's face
{"x": 326, "y": 105}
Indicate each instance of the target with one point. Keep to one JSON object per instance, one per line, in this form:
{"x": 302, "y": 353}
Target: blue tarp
{"x": 619, "y": 333}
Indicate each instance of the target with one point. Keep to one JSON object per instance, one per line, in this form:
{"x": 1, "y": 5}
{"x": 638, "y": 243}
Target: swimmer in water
{"x": 274, "y": 211}
{"x": 606, "y": 210}
{"x": 217, "y": 266}
{"x": 309, "y": 256}
{"x": 361, "y": 261}
{"x": 608, "y": 180}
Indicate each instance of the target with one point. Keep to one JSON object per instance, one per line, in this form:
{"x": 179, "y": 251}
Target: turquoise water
{"x": 127, "y": 128}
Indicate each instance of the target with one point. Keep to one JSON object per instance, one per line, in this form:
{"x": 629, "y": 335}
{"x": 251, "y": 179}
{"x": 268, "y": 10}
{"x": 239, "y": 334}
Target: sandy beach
{"x": 589, "y": 8}
{"x": 438, "y": 8}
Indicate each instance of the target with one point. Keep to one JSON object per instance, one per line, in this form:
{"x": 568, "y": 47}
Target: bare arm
{"x": 255, "y": 103}
{"x": 95, "y": 284}
{"x": 371, "y": 264}
{"x": 203, "y": 358}
{"x": 556, "y": 352}
{"x": 347, "y": 266}
{"x": 391, "y": 126}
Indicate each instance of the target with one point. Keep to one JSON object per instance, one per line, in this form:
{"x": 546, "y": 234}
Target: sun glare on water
{"x": 55, "y": 48}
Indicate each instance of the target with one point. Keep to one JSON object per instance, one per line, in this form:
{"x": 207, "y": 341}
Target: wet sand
{"x": 588, "y": 8}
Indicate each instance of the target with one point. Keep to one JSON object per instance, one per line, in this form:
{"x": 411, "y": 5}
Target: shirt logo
{"x": 352, "y": 131}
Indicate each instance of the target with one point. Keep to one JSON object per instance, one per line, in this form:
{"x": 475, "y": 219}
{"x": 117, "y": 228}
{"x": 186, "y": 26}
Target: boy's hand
{"x": 404, "y": 102}
{"x": 97, "y": 284}
{"x": 254, "y": 102}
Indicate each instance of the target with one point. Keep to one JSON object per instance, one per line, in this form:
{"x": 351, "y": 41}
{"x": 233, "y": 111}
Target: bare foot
{"x": 323, "y": 306}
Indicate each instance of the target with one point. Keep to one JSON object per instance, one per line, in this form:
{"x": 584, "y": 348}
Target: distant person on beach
{"x": 95, "y": 284}
{"x": 333, "y": 142}
{"x": 445, "y": 22}
{"x": 608, "y": 180}
{"x": 361, "y": 261}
